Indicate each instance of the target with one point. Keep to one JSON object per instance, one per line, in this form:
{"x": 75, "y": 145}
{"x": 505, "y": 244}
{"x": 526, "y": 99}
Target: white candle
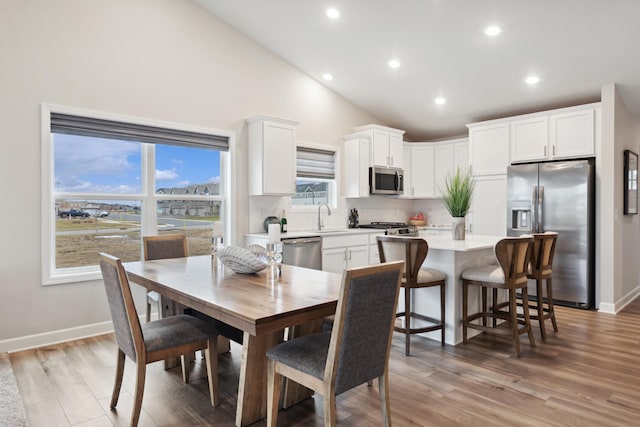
{"x": 218, "y": 229}
{"x": 274, "y": 233}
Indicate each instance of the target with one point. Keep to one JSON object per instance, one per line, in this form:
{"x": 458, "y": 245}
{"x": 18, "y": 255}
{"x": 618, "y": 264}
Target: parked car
{"x": 73, "y": 213}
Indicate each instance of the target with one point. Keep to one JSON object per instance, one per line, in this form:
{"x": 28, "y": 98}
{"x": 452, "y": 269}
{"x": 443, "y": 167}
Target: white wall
{"x": 156, "y": 59}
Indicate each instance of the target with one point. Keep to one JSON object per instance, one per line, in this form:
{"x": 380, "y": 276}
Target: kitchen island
{"x": 452, "y": 257}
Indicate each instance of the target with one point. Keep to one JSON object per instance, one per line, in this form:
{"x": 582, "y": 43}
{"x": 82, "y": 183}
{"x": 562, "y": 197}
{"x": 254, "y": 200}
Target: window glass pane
{"x": 311, "y": 192}
{"x": 84, "y": 164}
{"x": 86, "y": 227}
{"x": 187, "y": 170}
{"x": 194, "y": 218}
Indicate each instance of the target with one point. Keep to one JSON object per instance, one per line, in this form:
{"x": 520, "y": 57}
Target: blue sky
{"x": 88, "y": 165}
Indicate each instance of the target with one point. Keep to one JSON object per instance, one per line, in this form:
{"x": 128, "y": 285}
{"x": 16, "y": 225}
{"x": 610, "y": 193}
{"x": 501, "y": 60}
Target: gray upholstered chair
{"x": 353, "y": 353}
{"x": 513, "y": 256}
{"x": 161, "y": 247}
{"x": 152, "y": 341}
{"x": 413, "y": 251}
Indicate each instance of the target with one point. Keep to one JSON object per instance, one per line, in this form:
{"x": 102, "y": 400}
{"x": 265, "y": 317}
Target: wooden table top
{"x": 246, "y": 301}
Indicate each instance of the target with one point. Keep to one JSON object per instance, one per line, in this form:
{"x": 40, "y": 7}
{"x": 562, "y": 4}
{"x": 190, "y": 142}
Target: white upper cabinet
{"x": 443, "y": 166}
{"x": 558, "y": 134}
{"x": 422, "y": 176}
{"x": 461, "y": 154}
{"x": 386, "y": 145}
{"x": 272, "y": 156}
{"x": 355, "y": 176}
{"x": 489, "y": 148}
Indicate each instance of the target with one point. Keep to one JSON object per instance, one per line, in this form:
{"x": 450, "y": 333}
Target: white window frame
{"x": 51, "y": 275}
{"x": 335, "y": 186}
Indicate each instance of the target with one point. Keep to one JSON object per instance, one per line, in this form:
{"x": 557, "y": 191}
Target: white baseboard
{"x": 54, "y": 337}
{"x": 621, "y": 303}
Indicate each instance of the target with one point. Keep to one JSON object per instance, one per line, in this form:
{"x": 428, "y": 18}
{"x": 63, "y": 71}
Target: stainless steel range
{"x": 393, "y": 228}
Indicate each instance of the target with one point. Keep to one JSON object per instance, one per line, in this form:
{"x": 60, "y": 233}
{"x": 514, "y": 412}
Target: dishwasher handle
{"x": 300, "y": 240}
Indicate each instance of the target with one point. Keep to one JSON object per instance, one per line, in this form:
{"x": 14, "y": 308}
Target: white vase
{"x": 457, "y": 228}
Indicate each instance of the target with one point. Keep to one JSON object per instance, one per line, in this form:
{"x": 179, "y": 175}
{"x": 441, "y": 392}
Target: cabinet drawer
{"x": 343, "y": 241}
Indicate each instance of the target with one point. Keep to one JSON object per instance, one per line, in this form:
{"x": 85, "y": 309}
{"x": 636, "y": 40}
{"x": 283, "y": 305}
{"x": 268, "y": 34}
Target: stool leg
{"x": 465, "y": 291}
{"x": 540, "y": 307}
{"x": 494, "y": 302}
{"x": 514, "y": 320}
{"x": 442, "y": 316}
{"x": 484, "y": 306}
{"x": 407, "y": 318}
{"x": 552, "y": 313}
{"x": 527, "y": 319}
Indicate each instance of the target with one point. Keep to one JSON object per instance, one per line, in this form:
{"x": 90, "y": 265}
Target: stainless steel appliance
{"x": 302, "y": 252}
{"x": 558, "y": 196}
{"x": 386, "y": 180}
{"x": 393, "y": 228}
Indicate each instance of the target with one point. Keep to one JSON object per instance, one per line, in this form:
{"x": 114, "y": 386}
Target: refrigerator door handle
{"x": 541, "y": 209}
{"x": 534, "y": 206}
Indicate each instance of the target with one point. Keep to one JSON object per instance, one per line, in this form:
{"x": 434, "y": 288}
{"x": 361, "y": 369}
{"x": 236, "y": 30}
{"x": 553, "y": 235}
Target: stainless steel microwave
{"x": 386, "y": 180}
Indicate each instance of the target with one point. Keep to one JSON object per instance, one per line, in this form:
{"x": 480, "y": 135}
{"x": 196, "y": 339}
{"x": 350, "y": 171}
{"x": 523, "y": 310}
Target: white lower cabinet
{"x": 340, "y": 252}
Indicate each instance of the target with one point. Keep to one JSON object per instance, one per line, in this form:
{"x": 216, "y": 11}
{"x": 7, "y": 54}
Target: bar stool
{"x": 413, "y": 251}
{"x": 544, "y": 246}
{"x": 513, "y": 255}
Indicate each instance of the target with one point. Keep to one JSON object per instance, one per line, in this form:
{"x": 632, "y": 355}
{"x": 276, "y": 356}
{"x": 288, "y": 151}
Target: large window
{"x": 315, "y": 177}
{"x": 114, "y": 179}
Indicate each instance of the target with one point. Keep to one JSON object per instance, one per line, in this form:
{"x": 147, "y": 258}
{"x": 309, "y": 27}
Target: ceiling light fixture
{"x": 333, "y": 13}
{"x": 492, "y": 30}
{"x": 531, "y": 80}
{"x": 327, "y": 77}
{"x": 394, "y": 63}
{"x": 440, "y": 100}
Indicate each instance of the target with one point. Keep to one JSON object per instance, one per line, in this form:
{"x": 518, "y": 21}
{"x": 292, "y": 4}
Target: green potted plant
{"x": 456, "y": 196}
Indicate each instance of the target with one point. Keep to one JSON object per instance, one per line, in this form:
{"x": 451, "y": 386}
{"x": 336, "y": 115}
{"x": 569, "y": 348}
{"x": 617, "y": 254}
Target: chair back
{"x": 544, "y": 246}
{"x": 126, "y": 323}
{"x": 166, "y": 246}
{"x": 513, "y": 254}
{"x": 411, "y": 250}
{"x": 363, "y": 327}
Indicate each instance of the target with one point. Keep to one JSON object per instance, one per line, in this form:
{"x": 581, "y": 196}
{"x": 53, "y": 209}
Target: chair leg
{"x": 274, "y": 382}
{"x": 141, "y": 370}
{"x": 118, "y": 382}
{"x": 407, "y": 318}
{"x": 514, "y": 320}
{"x": 385, "y": 404}
{"x": 552, "y": 313}
{"x": 484, "y": 306}
{"x": 527, "y": 319}
{"x": 442, "y": 314}
{"x": 494, "y": 305}
{"x": 540, "y": 307}
{"x": 465, "y": 309}
{"x": 184, "y": 362}
{"x": 211, "y": 359}
{"x": 329, "y": 408}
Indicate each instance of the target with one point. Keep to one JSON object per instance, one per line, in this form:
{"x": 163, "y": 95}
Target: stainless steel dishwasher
{"x": 302, "y": 252}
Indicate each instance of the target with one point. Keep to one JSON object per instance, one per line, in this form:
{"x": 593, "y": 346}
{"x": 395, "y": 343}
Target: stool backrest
{"x": 411, "y": 250}
{"x": 513, "y": 254}
{"x": 544, "y": 246}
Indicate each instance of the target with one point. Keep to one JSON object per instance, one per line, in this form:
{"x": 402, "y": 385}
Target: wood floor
{"x": 588, "y": 374}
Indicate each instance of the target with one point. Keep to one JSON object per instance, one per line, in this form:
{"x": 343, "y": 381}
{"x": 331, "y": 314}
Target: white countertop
{"x": 470, "y": 243}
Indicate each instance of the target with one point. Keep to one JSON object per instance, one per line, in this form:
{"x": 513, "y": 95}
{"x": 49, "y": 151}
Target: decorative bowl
{"x": 418, "y": 222}
{"x": 241, "y": 260}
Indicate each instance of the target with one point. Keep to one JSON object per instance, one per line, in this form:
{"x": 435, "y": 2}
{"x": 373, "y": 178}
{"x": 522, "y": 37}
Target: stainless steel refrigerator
{"x": 558, "y": 196}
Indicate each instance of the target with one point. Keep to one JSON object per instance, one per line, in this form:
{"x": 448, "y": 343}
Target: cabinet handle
{"x": 391, "y": 160}
{"x": 388, "y": 161}
{"x": 554, "y": 150}
{"x": 349, "y": 254}
{"x": 413, "y": 191}
{"x": 545, "y": 151}
{"x": 345, "y": 256}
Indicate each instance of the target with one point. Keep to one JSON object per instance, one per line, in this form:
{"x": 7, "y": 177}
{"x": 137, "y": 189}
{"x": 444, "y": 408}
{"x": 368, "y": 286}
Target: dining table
{"x": 254, "y": 303}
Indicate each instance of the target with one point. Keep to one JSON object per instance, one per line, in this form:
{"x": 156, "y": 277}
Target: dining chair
{"x": 543, "y": 249}
{"x": 513, "y": 256}
{"x": 353, "y": 353}
{"x": 152, "y": 341}
{"x": 162, "y": 247}
{"x": 413, "y": 251}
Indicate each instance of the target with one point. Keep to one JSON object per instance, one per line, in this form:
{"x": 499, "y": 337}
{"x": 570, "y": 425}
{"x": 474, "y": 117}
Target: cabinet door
{"x": 395, "y": 150}
{"x": 357, "y": 256}
{"x": 380, "y": 148}
{"x": 443, "y": 166}
{"x": 489, "y": 206}
{"x": 529, "y": 139}
{"x": 408, "y": 178}
{"x": 355, "y": 181}
{"x": 334, "y": 260}
{"x": 572, "y": 134}
{"x": 489, "y": 149}
{"x": 461, "y": 156}
{"x": 278, "y": 157}
{"x": 422, "y": 175}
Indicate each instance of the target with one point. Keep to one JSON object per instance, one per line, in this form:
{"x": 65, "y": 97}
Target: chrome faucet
{"x": 328, "y": 212}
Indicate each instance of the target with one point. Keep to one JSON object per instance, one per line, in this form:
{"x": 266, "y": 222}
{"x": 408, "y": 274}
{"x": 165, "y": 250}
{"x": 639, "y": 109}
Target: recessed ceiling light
{"x": 327, "y": 77}
{"x": 394, "y": 63}
{"x": 440, "y": 100}
{"x": 492, "y": 30}
{"x": 531, "y": 80}
{"x": 333, "y": 13}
